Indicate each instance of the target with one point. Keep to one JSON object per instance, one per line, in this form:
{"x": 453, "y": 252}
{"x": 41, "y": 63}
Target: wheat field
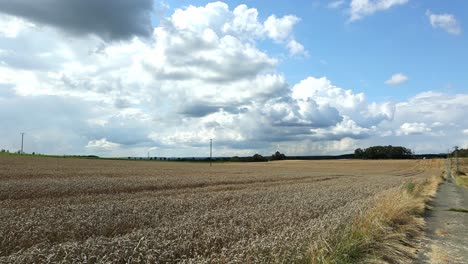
{"x": 111, "y": 211}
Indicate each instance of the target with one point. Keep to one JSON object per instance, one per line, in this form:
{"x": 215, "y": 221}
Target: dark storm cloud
{"x": 108, "y": 19}
{"x": 198, "y": 110}
{"x": 201, "y": 109}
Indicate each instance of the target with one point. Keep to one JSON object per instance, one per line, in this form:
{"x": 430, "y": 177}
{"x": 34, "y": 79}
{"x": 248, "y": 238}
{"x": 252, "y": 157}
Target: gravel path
{"x": 447, "y": 231}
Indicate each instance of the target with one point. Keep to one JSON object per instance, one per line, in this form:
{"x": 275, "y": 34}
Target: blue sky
{"x": 362, "y": 54}
{"x": 120, "y": 78}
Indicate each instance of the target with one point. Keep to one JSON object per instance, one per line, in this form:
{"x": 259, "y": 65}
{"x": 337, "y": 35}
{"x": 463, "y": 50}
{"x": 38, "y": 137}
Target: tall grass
{"x": 382, "y": 234}
{"x": 462, "y": 180}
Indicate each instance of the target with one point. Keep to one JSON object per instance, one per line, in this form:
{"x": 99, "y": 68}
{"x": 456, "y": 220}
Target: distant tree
{"x": 278, "y": 156}
{"x": 461, "y": 152}
{"x": 3, "y": 151}
{"x": 383, "y": 152}
{"x": 258, "y": 158}
{"x": 359, "y": 153}
{"x": 235, "y": 159}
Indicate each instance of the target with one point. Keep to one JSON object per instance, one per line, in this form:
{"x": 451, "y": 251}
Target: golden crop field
{"x": 110, "y": 211}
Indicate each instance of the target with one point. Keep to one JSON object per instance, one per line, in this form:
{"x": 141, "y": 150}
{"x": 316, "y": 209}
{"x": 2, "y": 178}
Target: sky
{"x": 309, "y": 77}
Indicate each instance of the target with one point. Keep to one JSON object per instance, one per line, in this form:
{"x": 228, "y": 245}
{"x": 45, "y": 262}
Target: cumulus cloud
{"x": 430, "y": 107}
{"x": 414, "y": 129}
{"x": 108, "y": 19}
{"x": 446, "y": 22}
{"x": 189, "y": 77}
{"x": 200, "y": 75}
{"x": 347, "y": 128}
{"x": 350, "y": 104}
{"x": 280, "y": 28}
{"x": 361, "y": 8}
{"x": 427, "y": 123}
{"x": 296, "y": 48}
{"x": 396, "y": 79}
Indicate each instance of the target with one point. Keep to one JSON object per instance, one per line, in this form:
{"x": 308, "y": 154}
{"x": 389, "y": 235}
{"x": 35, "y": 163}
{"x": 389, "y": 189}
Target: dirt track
{"x": 447, "y": 231}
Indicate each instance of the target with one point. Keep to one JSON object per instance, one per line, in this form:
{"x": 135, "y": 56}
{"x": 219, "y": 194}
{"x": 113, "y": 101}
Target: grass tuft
{"x": 410, "y": 186}
{"x": 462, "y": 180}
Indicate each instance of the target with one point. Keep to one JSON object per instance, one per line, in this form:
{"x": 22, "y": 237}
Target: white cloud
{"x": 396, "y": 79}
{"x": 433, "y": 122}
{"x": 350, "y": 104}
{"x": 414, "y": 129}
{"x": 200, "y": 76}
{"x": 447, "y": 22}
{"x": 296, "y": 48}
{"x": 345, "y": 129}
{"x": 465, "y": 131}
{"x": 102, "y": 143}
{"x": 11, "y": 26}
{"x": 336, "y": 4}
{"x": 195, "y": 78}
{"x": 280, "y": 29}
{"x": 362, "y": 8}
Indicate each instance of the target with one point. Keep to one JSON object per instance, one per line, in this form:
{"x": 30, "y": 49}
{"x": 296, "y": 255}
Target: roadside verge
{"x": 386, "y": 233}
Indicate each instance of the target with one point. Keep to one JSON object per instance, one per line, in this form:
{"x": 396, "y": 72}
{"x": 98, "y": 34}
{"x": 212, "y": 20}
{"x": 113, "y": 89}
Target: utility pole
{"x": 22, "y": 140}
{"x": 211, "y": 150}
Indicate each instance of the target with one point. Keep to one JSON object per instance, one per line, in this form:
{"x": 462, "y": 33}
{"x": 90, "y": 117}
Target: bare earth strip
{"x": 77, "y": 210}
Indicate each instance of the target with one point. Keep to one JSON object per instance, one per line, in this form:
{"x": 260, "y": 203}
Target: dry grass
{"x": 462, "y": 178}
{"x": 383, "y": 234}
{"x": 71, "y": 210}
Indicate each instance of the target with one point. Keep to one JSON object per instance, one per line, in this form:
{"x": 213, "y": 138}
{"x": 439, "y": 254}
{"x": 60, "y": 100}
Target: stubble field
{"x": 78, "y": 210}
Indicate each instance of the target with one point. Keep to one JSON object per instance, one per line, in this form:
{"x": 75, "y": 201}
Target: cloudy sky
{"x": 124, "y": 78}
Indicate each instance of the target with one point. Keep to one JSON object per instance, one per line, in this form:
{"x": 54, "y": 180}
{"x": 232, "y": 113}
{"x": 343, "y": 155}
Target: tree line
{"x": 383, "y": 152}
{"x": 461, "y": 152}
